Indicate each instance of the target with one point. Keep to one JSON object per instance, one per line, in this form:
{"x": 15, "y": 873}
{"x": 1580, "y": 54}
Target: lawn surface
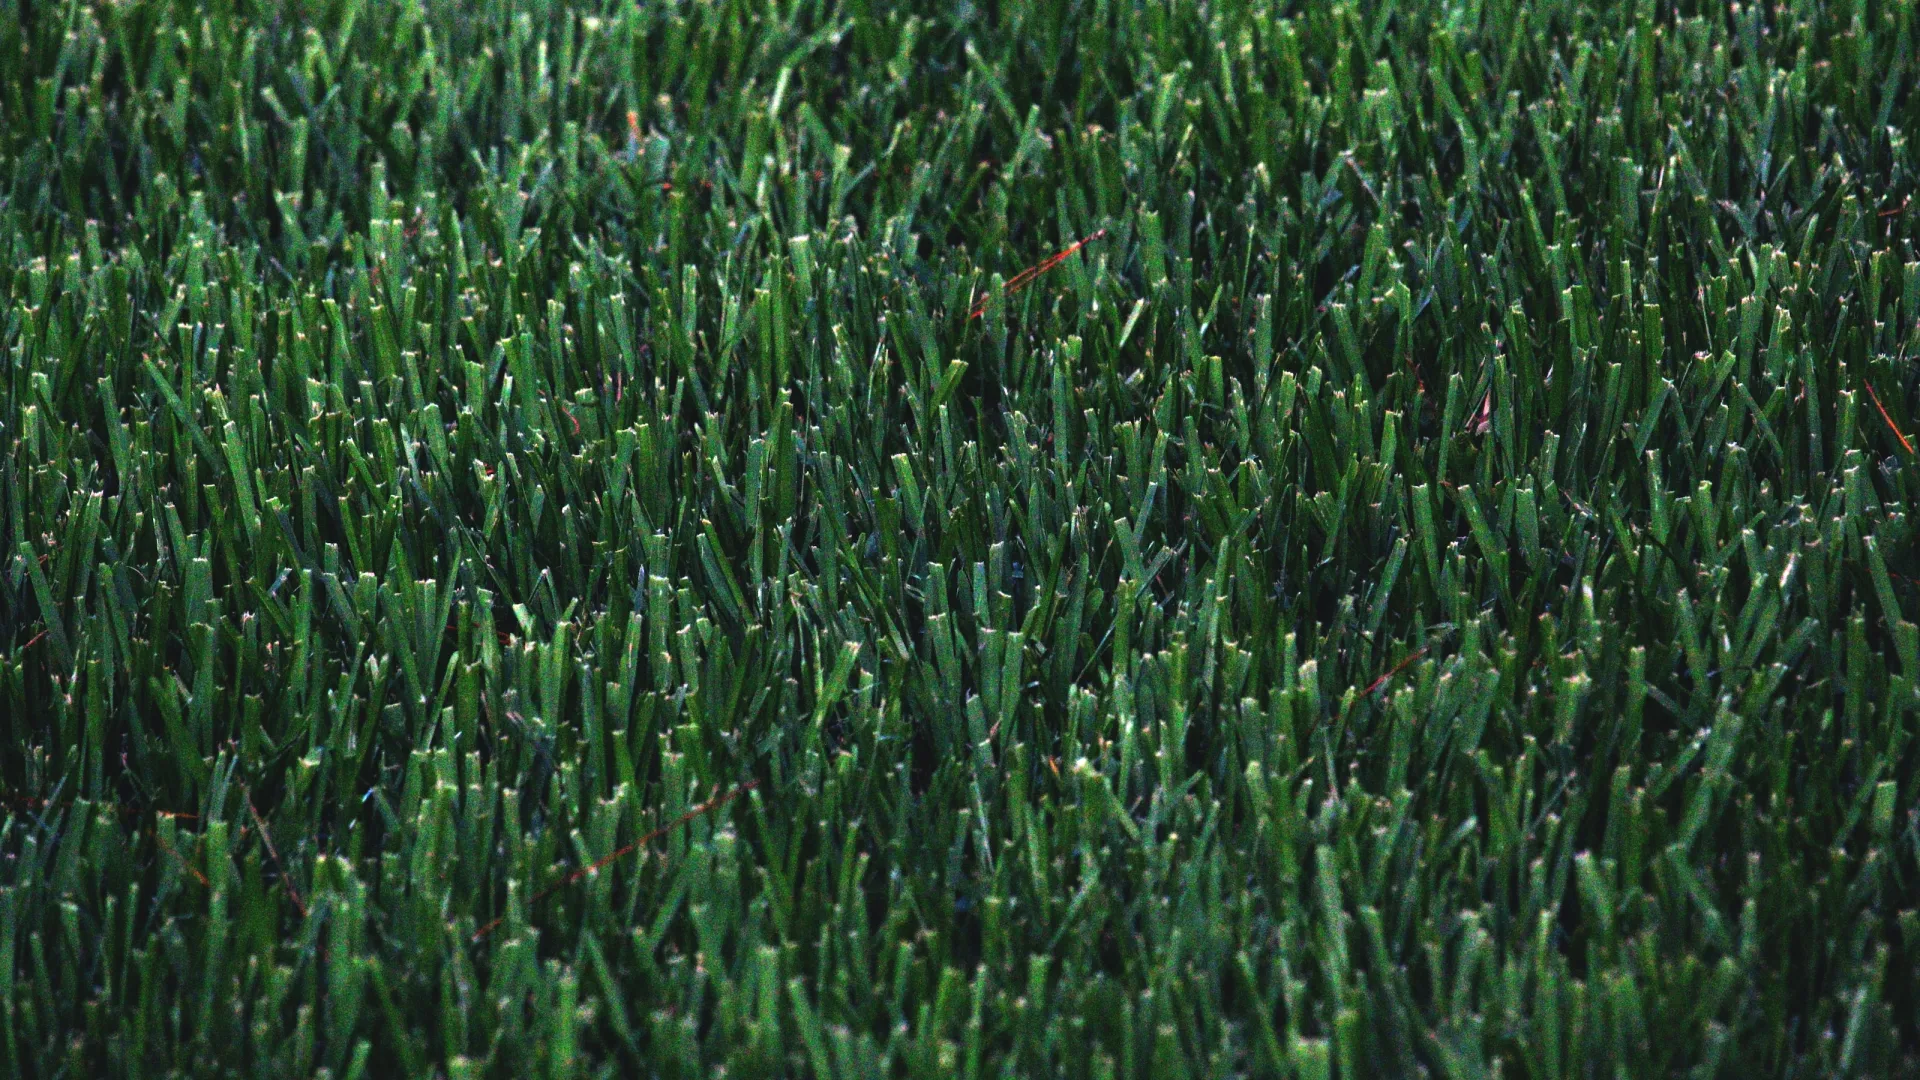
{"x": 550, "y": 539}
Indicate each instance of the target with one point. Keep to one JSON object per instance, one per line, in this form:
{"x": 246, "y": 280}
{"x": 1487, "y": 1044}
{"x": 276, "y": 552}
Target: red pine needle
{"x": 177, "y": 857}
{"x": 1397, "y": 669}
{"x": 30, "y": 803}
{"x": 1891, "y": 426}
{"x": 617, "y": 854}
{"x": 1026, "y": 277}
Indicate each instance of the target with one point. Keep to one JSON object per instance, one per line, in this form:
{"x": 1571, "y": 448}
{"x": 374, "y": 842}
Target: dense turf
{"x": 1429, "y": 591}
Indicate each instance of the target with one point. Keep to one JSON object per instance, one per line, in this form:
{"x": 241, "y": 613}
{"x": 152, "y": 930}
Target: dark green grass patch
{"x": 1429, "y": 590}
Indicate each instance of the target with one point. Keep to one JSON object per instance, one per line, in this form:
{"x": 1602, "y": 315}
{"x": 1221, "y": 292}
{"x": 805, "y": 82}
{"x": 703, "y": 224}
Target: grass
{"x": 517, "y": 557}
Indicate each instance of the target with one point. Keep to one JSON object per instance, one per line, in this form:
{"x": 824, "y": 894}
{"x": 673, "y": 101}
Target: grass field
{"x": 553, "y": 540}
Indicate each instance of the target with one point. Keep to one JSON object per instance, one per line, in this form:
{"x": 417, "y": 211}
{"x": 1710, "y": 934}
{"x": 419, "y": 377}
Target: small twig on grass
{"x": 704, "y": 808}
